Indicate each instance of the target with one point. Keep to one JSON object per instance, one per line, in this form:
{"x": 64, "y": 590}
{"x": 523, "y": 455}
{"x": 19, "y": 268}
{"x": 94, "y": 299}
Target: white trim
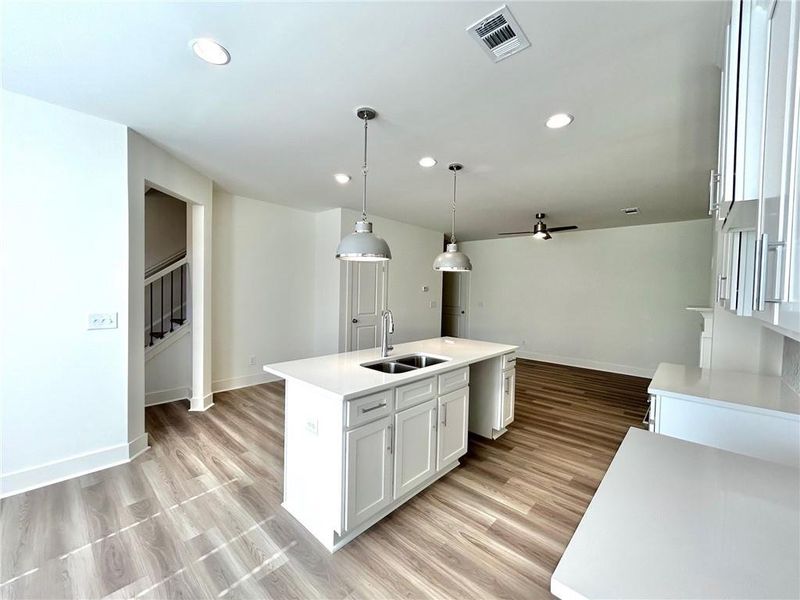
{"x": 200, "y": 404}
{"x": 138, "y": 446}
{"x": 588, "y": 364}
{"x": 164, "y": 396}
{"x": 234, "y": 383}
{"x": 165, "y": 342}
{"x": 55, "y": 471}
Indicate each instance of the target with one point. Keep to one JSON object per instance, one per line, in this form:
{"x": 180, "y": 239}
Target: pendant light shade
{"x": 362, "y": 244}
{"x": 451, "y": 259}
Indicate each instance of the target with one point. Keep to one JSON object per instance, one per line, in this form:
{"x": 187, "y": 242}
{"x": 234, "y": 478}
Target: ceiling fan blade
{"x": 565, "y": 228}
{"x": 516, "y": 233}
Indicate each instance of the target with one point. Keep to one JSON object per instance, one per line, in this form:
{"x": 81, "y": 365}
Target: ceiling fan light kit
{"x": 363, "y": 245}
{"x": 451, "y": 259}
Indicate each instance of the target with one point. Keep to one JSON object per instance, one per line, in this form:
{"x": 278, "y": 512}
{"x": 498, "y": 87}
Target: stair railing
{"x": 174, "y": 276}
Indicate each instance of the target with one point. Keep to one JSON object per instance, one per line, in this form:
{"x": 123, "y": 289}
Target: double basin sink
{"x": 404, "y": 364}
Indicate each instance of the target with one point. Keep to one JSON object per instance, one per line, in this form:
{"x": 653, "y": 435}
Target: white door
{"x": 453, "y": 419}
{"x": 454, "y": 304}
{"x": 509, "y": 382}
{"x": 366, "y": 301}
{"x": 414, "y": 446}
{"x": 368, "y": 480}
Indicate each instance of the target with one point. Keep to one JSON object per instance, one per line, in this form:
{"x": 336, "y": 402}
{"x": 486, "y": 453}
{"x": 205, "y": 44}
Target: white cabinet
{"x": 777, "y": 199}
{"x": 368, "y": 476}
{"x": 414, "y": 447}
{"x": 507, "y": 410}
{"x": 495, "y": 379}
{"x": 768, "y": 435}
{"x": 453, "y": 420}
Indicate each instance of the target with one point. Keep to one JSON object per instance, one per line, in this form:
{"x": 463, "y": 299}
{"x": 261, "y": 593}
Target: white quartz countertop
{"x": 758, "y": 392}
{"x": 674, "y": 519}
{"x": 342, "y": 374}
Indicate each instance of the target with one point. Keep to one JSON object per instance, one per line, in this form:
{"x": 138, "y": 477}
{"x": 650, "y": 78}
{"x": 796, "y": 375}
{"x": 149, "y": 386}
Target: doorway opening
{"x": 167, "y": 294}
{"x": 455, "y": 304}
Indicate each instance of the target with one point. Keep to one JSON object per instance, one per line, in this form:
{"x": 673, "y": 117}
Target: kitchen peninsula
{"x": 364, "y": 433}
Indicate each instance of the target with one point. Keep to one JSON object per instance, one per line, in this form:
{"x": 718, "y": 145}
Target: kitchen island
{"x": 360, "y": 441}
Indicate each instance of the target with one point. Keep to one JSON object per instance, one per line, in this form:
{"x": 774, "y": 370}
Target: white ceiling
{"x": 277, "y": 122}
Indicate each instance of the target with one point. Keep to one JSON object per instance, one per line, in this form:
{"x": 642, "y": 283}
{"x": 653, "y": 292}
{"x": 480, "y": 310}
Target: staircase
{"x": 166, "y": 295}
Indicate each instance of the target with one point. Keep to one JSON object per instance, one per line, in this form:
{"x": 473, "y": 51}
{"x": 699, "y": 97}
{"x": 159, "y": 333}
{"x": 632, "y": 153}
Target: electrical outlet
{"x": 102, "y": 321}
{"x": 432, "y": 304}
{"x": 312, "y": 426}
{"x": 251, "y": 361}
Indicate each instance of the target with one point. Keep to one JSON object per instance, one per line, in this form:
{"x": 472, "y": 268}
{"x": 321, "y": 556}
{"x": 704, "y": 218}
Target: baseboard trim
{"x": 164, "y": 396}
{"x": 200, "y": 404}
{"x": 25, "y": 480}
{"x": 587, "y": 364}
{"x": 138, "y": 446}
{"x": 234, "y": 383}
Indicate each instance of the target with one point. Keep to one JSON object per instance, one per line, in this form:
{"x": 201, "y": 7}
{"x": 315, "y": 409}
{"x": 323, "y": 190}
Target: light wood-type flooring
{"x": 198, "y": 515}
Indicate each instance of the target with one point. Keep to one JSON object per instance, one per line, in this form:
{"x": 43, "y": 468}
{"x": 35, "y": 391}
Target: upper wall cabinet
{"x": 754, "y": 189}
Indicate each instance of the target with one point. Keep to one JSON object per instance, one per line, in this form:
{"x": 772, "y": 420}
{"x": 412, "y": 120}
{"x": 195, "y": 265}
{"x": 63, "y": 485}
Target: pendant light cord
{"x": 453, "y": 230}
{"x": 364, "y": 173}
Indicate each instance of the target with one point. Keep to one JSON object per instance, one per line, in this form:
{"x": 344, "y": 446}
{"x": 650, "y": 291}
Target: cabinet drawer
{"x": 368, "y": 408}
{"x": 509, "y": 360}
{"x": 453, "y": 380}
{"x": 414, "y": 393}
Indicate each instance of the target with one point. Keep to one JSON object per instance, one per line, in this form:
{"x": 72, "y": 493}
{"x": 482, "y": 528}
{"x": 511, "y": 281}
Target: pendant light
{"x": 362, "y": 244}
{"x": 452, "y": 259}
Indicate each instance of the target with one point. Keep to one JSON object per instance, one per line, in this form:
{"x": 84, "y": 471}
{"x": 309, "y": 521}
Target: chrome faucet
{"x": 387, "y": 327}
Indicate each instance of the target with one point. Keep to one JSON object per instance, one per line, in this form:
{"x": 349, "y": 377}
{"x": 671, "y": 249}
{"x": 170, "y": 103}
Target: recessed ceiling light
{"x": 559, "y": 120}
{"x": 427, "y": 161}
{"x": 342, "y": 178}
{"x": 211, "y": 51}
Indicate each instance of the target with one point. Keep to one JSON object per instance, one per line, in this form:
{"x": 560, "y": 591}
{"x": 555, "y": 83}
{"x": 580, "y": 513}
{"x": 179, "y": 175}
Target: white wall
{"x": 328, "y": 276}
{"x": 411, "y": 268}
{"x": 64, "y": 232}
{"x": 263, "y": 287}
{"x": 164, "y": 228}
{"x": 168, "y": 373}
{"x": 610, "y": 299}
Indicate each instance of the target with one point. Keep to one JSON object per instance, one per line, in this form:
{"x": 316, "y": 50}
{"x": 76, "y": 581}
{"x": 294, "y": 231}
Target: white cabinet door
{"x": 776, "y": 199}
{"x": 414, "y": 446}
{"x": 509, "y": 382}
{"x": 453, "y": 419}
{"x": 368, "y": 480}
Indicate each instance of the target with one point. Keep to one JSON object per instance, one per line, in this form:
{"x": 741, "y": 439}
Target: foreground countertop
{"x": 674, "y": 519}
{"x": 757, "y": 392}
{"x": 342, "y": 374}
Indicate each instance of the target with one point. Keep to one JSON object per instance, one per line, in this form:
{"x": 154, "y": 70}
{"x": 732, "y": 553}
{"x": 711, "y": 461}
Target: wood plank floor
{"x": 199, "y": 516}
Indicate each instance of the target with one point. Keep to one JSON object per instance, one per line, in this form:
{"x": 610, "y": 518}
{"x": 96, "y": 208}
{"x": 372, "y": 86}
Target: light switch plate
{"x": 102, "y": 321}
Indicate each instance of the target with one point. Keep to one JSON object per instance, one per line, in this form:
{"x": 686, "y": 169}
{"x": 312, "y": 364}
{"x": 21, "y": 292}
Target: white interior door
{"x": 452, "y": 436}
{"x": 369, "y": 471}
{"x": 414, "y": 447}
{"x": 367, "y": 299}
{"x": 454, "y": 304}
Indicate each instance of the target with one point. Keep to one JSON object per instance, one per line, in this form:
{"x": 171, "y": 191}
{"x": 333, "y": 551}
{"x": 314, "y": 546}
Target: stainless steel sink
{"x": 404, "y": 364}
{"x": 390, "y": 367}
{"x": 420, "y": 361}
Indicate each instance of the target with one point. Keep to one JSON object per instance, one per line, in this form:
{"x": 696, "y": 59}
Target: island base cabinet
{"x": 492, "y": 385}
{"x": 368, "y": 477}
{"x": 453, "y": 422}
{"x": 414, "y": 447}
{"x": 770, "y": 436}
{"x": 507, "y": 406}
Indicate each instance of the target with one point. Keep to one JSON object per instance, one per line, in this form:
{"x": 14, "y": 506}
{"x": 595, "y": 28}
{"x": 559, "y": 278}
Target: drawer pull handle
{"x": 371, "y": 408}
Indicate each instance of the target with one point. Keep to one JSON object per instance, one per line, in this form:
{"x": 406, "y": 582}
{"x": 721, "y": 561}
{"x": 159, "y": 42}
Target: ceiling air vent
{"x": 499, "y": 34}
{"x": 633, "y": 210}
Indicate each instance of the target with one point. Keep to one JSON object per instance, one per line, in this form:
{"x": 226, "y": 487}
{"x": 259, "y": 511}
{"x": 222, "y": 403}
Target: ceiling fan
{"x": 540, "y": 231}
